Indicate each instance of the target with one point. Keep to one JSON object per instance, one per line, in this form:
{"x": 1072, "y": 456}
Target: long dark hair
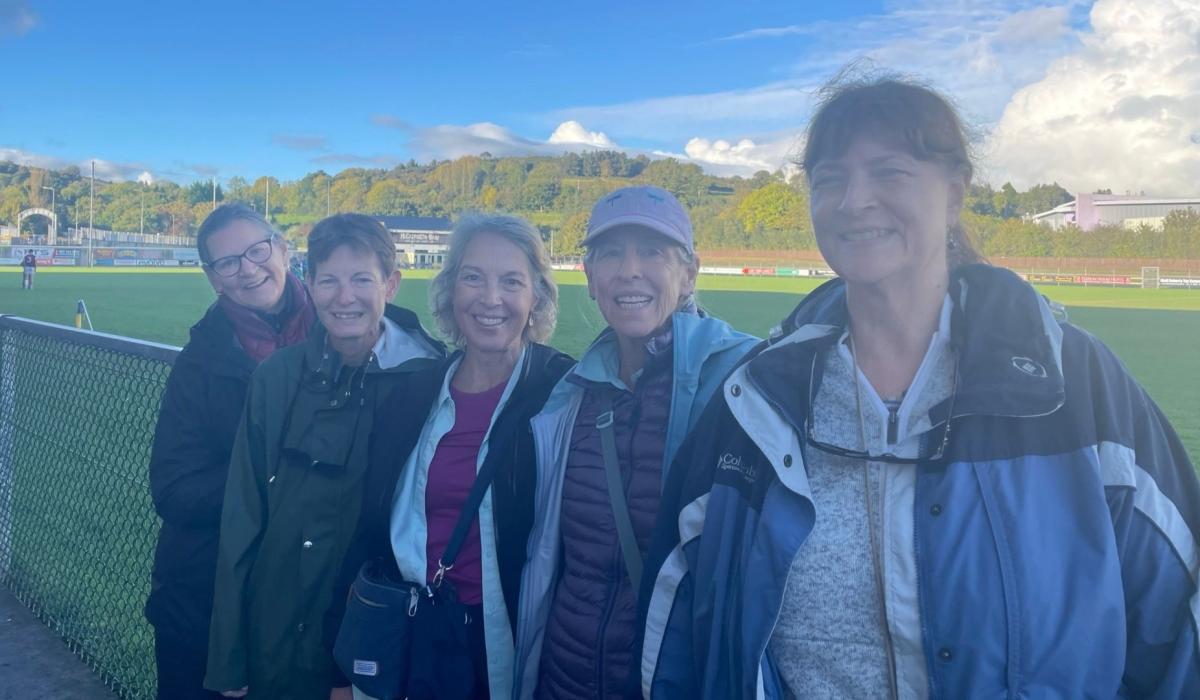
{"x": 900, "y": 110}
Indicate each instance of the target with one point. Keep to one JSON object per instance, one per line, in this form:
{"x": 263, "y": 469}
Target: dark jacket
{"x": 189, "y": 462}
{"x": 510, "y": 442}
{"x": 292, "y": 501}
{"x": 593, "y": 626}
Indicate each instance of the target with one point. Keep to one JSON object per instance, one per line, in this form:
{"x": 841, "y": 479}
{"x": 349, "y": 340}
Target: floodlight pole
{"x": 53, "y": 210}
{"x": 91, "y": 213}
{"x": 267, "y": 207}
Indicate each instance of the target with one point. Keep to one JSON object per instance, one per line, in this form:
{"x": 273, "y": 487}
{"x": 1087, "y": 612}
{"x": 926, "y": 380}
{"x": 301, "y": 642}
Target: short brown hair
{"x": 356, "y": 231}
{"x": 905, "y": 112}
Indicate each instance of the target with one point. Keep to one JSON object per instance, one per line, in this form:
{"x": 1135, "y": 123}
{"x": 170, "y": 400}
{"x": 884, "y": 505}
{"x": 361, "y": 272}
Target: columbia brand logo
{"x": 1031, "y": 367}
{"x": 366, "y": 668}
{"x": 733, "y": 463}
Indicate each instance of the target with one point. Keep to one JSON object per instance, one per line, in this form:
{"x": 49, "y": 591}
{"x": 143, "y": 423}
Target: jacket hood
{"x": 695, "y": 338}
{"x": 324, "y": 361}
{"x": 1009, "y": 347}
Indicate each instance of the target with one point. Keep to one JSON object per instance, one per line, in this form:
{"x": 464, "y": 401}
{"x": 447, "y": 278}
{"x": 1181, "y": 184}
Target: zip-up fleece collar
{"x": 323, "y": 361}
{"x": 1008, "y": 343}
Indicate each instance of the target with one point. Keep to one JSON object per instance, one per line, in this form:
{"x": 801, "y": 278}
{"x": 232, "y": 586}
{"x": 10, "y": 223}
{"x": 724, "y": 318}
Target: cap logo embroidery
{"x": 1030, "y": 367}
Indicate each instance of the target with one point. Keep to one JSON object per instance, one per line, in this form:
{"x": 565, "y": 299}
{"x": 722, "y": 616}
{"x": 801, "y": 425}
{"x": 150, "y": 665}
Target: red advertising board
{"x": 1101, "y": 279}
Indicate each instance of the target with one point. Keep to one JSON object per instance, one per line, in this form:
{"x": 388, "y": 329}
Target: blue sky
{"x": 189, "y": 90}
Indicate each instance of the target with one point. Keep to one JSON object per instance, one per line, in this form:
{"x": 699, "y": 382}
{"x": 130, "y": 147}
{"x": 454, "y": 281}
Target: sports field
{"x": 1155, "y": 331}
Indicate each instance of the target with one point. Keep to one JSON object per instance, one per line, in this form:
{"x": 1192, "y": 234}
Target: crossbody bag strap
{"x": 470, "y": 509}
{"x": 616, "y": 493}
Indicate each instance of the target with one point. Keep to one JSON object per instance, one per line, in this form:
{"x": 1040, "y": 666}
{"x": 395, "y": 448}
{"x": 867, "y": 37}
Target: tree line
{"x": 765, "y": 212}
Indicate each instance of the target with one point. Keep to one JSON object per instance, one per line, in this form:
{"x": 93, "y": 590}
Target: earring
{"x": 951, "y": 239}
{"x": 530, "y": 324}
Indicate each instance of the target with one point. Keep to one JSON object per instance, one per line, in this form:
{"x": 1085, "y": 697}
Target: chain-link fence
{"x": 77, "y": 528}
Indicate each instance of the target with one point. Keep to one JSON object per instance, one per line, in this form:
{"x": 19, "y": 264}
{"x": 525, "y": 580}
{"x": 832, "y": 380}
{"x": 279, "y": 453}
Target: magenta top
{"x": 451, "y": 476}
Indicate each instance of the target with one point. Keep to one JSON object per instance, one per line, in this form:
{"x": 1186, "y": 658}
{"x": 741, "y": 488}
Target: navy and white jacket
{"x": 1055, "y": 548}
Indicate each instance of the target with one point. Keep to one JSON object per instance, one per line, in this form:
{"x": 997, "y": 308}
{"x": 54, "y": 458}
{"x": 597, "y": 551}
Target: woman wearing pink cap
{"x": 604, "y": 441}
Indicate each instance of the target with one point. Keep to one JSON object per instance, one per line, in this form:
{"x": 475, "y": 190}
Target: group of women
{"x": 925, "y": 483}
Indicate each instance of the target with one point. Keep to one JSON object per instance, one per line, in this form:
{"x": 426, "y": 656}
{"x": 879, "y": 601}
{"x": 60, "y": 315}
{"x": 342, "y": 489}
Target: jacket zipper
{"x": 893, "y": 425}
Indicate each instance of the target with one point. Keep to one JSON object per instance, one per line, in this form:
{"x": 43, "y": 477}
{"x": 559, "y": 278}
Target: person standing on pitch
{"x": 296, "y": 473}
{"x": 28, "y": 267}
{"x": 259, "y": 308}
{"x": 604, "y": 441}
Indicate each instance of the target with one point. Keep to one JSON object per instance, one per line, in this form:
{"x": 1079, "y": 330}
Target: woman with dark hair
{"x": 926, "y": 484}
{"x": 295, "y": 476}
{"x": 468, "y": 419}
{"x": 259, "y": 308}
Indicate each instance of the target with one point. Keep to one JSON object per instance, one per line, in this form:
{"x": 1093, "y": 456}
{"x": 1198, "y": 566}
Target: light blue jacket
{"x": 704, "y": 350}
{"x": 1055, "y": 549}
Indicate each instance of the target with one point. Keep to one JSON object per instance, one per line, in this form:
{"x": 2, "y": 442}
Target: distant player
{"x": 28, "y": 267}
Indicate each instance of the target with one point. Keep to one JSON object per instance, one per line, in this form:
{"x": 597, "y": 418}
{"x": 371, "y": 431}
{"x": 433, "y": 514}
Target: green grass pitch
{"x": 1155, "y": 331}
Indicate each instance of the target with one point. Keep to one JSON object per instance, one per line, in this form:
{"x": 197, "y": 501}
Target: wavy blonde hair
{"x": 520, "y": 233}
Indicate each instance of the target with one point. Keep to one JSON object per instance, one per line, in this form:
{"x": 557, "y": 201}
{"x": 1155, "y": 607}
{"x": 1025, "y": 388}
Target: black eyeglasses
{"x": 229, "y": 265}
{"x": 829, "y": 448}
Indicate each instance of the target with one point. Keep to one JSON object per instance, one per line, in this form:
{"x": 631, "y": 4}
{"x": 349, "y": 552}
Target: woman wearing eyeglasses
{"x": 296, "y": 472}
{"x": 259, "y": 308}
{"x": 927, "y": 484}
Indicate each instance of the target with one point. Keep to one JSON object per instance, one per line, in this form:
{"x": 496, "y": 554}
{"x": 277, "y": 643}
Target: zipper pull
{"x": 413, "y": 599}
{"x": 893, "y": 424}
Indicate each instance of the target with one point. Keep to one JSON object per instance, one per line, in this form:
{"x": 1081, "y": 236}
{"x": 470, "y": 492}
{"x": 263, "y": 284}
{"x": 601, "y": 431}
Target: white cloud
{"x": 146, "y": 178}
{"x": 980, "y": 53}
{"x": 453, "y": 141}
{"x": 772, "y": 106}
{"x": 35, "y": 160}
{"x": 16, "y": 18}
{"x": 572, "y": 132}
{"x": 1122, "y": 112}
{"x": 745, "y": 157}
{"x": 105, "y": 169}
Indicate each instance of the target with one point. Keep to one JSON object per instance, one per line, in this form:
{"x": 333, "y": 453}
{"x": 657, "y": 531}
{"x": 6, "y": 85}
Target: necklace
{"x": 876, "y": 555}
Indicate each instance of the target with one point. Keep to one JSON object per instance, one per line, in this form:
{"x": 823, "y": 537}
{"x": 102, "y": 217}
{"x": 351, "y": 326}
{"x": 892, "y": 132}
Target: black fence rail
{"x": 77, "y": 528}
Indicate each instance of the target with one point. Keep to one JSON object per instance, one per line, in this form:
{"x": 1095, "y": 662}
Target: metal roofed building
{"x": 421, "y": 241}
{"x": 1088, "y": 211}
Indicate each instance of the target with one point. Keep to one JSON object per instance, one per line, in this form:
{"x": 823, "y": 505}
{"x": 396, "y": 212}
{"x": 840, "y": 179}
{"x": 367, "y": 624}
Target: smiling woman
{"x": 260, "y": 308}
{"x": 453, "y": 463}
{"x": 923, "y": 465}
{"x": 297, "y": 468}
{"x": 607, "y": 436}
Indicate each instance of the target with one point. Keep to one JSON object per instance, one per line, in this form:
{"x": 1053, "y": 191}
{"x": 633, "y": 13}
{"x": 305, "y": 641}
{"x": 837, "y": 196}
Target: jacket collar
{"x": 323, "y": 360}
{"x": 213, "y": 344}
{"x": 1008, "y": 343}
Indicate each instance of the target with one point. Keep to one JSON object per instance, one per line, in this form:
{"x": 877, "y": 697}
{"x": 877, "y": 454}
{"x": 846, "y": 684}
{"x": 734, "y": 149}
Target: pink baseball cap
{"x": 646, "y": 207}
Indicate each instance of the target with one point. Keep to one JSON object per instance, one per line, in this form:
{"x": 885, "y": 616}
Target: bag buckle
{"x": 604, "y": 420}
{"x": 441, "y": 573}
